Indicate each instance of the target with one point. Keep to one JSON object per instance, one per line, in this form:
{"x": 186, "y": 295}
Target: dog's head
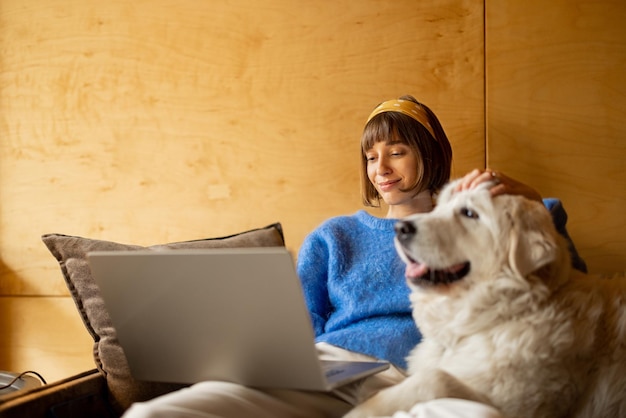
{"x": 471, "y": 238}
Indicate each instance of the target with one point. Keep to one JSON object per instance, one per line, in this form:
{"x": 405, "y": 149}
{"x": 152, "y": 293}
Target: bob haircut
{"x": 433, "y": 154}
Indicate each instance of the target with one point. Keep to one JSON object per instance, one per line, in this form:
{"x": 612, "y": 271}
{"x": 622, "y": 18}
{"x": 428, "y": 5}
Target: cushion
{"x": 71, "y": 251}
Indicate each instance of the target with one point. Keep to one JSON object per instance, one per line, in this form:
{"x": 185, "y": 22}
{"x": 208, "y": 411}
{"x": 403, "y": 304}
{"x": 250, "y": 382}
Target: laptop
{"x": 228, "y": 314}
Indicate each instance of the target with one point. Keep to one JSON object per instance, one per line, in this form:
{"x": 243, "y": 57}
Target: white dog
{"x": 505, "y": 320}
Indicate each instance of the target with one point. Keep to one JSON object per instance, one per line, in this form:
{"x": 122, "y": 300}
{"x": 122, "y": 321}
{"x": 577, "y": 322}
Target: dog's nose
{"x": 405, "y": 230}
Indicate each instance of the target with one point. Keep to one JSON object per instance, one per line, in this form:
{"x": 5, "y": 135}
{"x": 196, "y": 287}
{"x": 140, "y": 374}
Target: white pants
{"x": 228, "y": 400}
{"x": 449, "y": 408}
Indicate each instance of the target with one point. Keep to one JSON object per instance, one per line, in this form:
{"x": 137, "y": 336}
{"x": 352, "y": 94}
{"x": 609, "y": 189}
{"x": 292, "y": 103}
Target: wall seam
{"x": 485, "y": 92}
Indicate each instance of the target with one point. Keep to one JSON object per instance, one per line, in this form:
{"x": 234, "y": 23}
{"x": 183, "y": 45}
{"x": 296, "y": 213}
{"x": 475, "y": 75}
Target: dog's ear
{"x": 534, "y": 242}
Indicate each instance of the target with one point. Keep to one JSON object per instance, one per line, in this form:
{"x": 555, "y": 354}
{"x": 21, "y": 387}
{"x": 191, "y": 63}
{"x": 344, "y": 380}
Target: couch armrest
{"x": 84, "y": 394}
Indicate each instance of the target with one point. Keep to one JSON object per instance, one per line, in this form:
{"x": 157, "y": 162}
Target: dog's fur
{"x": 516, "y": 328}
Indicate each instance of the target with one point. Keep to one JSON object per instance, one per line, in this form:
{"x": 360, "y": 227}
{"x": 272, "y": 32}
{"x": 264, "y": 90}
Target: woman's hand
{"x": 501, "y": 184}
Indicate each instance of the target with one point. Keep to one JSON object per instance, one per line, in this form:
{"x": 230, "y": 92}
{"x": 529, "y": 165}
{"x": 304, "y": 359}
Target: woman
{"x": 352, "y": 278}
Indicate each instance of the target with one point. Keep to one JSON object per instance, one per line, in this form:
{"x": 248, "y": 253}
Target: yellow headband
{"x": 407, "y": 107}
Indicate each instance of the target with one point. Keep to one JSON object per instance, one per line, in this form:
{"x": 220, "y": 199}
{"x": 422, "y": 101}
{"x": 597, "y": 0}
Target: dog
{"x": 505, "y": 319}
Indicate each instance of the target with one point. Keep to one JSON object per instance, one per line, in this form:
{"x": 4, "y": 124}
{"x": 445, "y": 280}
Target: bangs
{"x": 385, "y": 129}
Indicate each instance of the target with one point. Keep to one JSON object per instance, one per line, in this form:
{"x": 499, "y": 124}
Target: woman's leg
{"x": 223, "y": 399}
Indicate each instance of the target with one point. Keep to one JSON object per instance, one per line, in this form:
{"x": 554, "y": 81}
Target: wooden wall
{"x": 154, "y": 121}
{"x": 158, "y": 120}
{"x": 556, "y": 112}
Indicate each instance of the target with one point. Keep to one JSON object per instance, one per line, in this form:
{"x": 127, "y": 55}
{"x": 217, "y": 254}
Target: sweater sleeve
{"x": 312, "y": 267}
{"x": 559, "y": 217}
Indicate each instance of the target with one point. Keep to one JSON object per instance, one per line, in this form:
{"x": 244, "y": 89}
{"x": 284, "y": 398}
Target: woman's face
{"x": 392, "y": 168}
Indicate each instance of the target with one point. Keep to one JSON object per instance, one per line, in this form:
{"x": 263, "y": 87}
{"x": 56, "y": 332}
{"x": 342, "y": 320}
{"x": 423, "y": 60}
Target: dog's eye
{"x": 469, "y": 213}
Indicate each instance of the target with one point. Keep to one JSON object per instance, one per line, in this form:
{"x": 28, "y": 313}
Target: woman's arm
{"x": 312, "y": 267}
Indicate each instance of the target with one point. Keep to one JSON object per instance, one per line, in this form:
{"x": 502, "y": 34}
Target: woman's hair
{"x": 434, "y": 154}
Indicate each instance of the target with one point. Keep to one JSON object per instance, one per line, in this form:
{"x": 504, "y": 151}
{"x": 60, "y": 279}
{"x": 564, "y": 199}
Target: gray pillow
{"x": 71, "y": 252}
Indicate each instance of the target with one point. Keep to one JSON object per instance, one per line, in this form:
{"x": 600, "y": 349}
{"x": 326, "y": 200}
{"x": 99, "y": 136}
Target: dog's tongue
{"x": 415, "y": 269}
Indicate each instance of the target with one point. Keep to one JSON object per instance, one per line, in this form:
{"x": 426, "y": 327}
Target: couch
{"x": 109, "y": 389}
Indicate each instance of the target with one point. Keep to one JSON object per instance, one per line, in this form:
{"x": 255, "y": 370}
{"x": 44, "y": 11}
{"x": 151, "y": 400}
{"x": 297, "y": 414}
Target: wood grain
{"x": 45, "y": 335}
{"x": 158, "y": 120}
{"x": 556, "y": 100}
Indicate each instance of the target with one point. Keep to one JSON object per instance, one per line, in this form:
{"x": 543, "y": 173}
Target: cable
{"x": 19, "y": 376}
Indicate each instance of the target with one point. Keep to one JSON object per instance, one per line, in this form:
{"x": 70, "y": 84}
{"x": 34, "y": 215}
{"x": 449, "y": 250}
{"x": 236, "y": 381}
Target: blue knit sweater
{"x": 354, "y": 285}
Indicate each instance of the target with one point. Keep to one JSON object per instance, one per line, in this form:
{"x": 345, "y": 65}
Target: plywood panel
{"x": 160, "y": 120}
{"x": 43, "y": 334}
{"x": 556, "y": 100}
